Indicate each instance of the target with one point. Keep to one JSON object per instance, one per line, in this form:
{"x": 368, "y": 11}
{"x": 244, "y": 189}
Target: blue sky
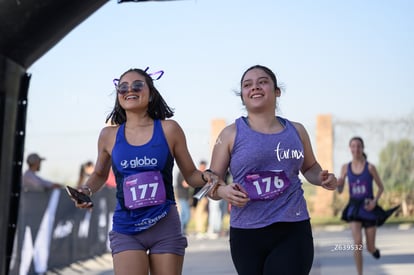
{"x": 352, "y": 59}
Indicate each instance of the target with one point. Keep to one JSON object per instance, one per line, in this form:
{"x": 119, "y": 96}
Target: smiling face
{"x": 133, "y": 91}
{"x": 258, "y": 89}
{"x": 357, "y": 148}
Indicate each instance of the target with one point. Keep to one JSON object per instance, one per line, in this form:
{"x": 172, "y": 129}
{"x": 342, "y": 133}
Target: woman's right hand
{"x": 79, "y": 197}
{"x": 84, "y": 205}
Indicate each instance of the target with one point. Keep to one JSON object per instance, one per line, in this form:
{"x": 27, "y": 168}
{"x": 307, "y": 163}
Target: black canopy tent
{"x": 28, "y": 29}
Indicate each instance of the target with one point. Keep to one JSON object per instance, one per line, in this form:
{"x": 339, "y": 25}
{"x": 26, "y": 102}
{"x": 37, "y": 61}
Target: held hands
{"x": 233, "y": 193}
{"x": 328, "y": 180}
{"x": 211, "y": 183}
{"x": 209, "y": 177}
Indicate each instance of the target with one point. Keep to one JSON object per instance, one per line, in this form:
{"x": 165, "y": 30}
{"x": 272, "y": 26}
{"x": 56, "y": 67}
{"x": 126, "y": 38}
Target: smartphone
{"x": 78, "y": 196}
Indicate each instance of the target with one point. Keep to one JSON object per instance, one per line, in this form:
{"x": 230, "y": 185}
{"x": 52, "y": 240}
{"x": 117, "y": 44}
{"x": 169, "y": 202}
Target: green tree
{"x": 396, "y": 169}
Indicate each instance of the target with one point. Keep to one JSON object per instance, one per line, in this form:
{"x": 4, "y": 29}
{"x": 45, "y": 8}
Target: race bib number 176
{"x": 266, "y": 185}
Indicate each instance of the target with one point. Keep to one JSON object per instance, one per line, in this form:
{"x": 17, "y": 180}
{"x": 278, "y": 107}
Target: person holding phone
{"x": 79, "y": 196}
{"x": 270, "y": 230}
{"x": 141, "y": 146}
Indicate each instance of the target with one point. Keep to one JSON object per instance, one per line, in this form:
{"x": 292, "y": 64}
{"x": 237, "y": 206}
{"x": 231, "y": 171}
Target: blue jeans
{"x": 184, "y": 207}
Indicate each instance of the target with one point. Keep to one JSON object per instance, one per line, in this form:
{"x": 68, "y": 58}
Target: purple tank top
{"x": 254, "y": 152}
{"x": 360, "y": 186}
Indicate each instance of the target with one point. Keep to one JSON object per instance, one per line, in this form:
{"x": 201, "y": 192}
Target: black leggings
{"x": 283, "y": 248}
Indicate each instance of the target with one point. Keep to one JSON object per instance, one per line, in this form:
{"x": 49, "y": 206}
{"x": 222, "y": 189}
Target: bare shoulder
{"x": 172, "y": 131}
{"x": 107, "y": 138}
{"x": 371, "y": 168}
{"x": 170, "y": 126}
{"x": 108, "y": 134}
{"x": 299, "y": 127}
{"x": 302, "y": 132}
{"x": 344, "y": 169}
{"x": 168, "y": 123}
{"x": 227, "y": 136}
{"x": 109, "y": 130}
{"x": 229, "y": 131}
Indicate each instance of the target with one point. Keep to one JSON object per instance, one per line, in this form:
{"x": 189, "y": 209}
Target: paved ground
{"x": 395, "y": 243}
{"x": 211, "y": 256}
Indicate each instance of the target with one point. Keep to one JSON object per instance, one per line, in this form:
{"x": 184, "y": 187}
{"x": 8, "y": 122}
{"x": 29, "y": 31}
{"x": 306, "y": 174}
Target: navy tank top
{"x": 130, "y": 160}
{"x": 360, "y": 186}
{"x": 282, "y": 152}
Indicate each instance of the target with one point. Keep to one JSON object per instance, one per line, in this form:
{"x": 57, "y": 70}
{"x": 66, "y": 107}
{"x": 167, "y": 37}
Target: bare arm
{"x": 219, "y": 165}
{"x": 220, "y": 158}
{"x": 341, "y": 179}
{"x": 100, "y": 174}
{"x": 377, "y": 180}
{"x": 311, "y": 169}
{"x": 178, "y": 146}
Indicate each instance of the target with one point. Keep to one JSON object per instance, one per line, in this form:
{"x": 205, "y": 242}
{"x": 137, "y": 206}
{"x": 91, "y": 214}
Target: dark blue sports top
{"x": 360, "y": 186}
{"x": 129, "y": 160}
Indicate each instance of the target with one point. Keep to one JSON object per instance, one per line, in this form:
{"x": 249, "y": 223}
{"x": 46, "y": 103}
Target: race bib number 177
{"x": 144, "y": 189}
{"x": 266, "y": 185}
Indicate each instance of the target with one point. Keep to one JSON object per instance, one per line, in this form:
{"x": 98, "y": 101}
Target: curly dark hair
{"x": 157, "y": 107}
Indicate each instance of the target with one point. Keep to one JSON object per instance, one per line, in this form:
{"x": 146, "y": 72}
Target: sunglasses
{"x": 137, "y": 85}
{"x": 124, "y": 87}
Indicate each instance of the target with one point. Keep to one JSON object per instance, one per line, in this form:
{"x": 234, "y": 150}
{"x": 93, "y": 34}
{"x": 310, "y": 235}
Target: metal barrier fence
{"x": 53, "y": 233}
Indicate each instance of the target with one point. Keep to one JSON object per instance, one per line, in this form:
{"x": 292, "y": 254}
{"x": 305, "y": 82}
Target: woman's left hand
{"x": 328, "y": 180}
{"x": 370, "y": 204}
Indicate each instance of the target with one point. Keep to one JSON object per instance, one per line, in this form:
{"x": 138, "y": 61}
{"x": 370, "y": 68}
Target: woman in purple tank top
{"x": 362, "y": 211}
{"x": 270, "y": 231}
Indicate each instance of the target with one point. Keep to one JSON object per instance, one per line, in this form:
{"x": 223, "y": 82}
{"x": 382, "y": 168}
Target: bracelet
{"x": 85, "y": 187}
{"x": 215, "y": 189}
{"x": 202, "y": 175}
